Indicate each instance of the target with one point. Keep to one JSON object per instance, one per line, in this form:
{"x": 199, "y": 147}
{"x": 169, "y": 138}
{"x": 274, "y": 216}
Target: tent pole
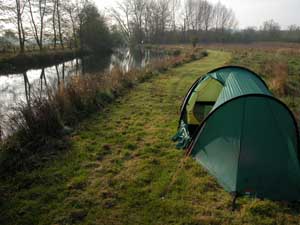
{"x": 233, "y": 205}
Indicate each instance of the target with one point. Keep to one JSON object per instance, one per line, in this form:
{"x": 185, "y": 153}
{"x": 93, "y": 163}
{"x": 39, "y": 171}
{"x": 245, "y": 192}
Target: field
{"x": 277, "y": 63}
{"x": 122, "y": 168}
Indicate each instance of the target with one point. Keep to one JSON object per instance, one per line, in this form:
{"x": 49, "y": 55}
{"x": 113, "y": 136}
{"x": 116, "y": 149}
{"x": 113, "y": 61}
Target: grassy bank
{"x": 120, "y": 164}
{"x": 39, "y": 127}
{"x": 18, "y": 63}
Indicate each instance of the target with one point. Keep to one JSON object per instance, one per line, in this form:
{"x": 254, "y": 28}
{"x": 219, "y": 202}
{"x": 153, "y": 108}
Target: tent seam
{"x": 241, "y": 138}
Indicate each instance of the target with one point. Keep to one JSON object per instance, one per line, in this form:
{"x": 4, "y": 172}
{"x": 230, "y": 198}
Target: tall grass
{"x": 278, "y": 64}
{"x": 278, "y": 76}
{"x": 47, "y": 118}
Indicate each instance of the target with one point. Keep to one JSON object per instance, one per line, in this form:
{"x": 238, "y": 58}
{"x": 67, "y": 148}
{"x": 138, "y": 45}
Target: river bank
{"x": 132, "y": 133}
{"x": 18, "y": 63}
{"x": 44, "y": 118}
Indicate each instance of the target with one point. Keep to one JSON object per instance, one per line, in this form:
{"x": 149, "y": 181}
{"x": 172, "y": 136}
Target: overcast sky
{"x": 251, "y": 12}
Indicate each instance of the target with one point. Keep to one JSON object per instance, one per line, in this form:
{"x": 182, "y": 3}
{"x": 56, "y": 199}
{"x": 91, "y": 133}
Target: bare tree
{"x": 270, "y": 26}
{"x": 71, "y": 10}
{"x": 130, "y": 16}
{"x": 122, "y": 15}
{"x": 54, "y": 7}
{"x": 164, "y": 14}
{"x": 224, "y": 18}
{"x": 64, "y": 20}
{"x": 149, "y": 17}
{"x": 59, "y": 22}
{"x": 20, "y": 6}
{"x": 138, "y": 9}
{"x": 44, "y": 21}
{"x": 37, "y": 11}
{"x": 207, "y": 15}
{"x": 189, "y": 14}
{"x": 175, "y": 4}
{"x": 13, "y": 12}
{"x": 199, "y": 14}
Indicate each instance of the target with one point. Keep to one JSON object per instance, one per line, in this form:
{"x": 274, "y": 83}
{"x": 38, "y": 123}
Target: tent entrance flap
{"x": 202, "y": 100}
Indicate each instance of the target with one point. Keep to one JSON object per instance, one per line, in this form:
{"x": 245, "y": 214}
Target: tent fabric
{"x": 238, "y": 82}
{"x": 249, "y": 139}
{"x": 207, "y": 91}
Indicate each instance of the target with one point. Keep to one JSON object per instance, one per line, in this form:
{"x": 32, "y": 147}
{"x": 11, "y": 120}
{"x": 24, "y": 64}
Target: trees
{"x": 62, "y": 23}
{"x": 293, "y": 33}
{"x": 142, "y": 20}
{"x": 270, "y": 30}
{"x": 162, "y": 21}
{"x": 138, "y": 10}
{"x": 200, "y": 15}
{"x": 53, "y": 19}
{"x": 155, "y": 21}
{"x": 57, "y": 10}
{"x": 189, "y": 15}
{"x": 270, "y": 26}
{"x": 122, "y": 16}
{"x": 58, "y": 14}
{"x": 94, "y": 33}
{"x": 72, "y": 10}
{"x": 130, "y": 16}
{"x": 224, "y": 18}
{"x": 207, "y": 15}
{"x": 12, "y": 12}
{"x": 37, "y": 19}
{"x": 174, "y": 6}
{"x": 19, "y": 11}
{"x": 45, "y": 22}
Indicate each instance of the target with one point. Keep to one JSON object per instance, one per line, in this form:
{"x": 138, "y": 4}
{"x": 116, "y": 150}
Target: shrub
{"x": 40, "y": 118}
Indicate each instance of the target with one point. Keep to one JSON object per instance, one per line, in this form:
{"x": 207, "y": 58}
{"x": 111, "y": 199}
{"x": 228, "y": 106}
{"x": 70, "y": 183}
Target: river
{"x": 19, "y": 88}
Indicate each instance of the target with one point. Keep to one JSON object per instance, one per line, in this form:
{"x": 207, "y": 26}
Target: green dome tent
{"x": 232, "y": 125}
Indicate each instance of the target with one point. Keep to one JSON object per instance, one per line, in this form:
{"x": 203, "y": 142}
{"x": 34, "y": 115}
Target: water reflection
{"x": 94, "y": 63}
{"x": 132, "y": 59}
{"x": 16, "y": 88}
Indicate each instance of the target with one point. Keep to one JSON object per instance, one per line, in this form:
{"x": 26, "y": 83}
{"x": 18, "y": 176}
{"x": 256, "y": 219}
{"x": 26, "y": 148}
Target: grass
{"x": 278, "y": 65}
{"x": 120, "y": 169}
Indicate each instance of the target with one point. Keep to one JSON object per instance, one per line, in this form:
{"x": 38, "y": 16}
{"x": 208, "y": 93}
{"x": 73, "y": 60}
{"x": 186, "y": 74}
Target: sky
{"x": 250, "y": 12}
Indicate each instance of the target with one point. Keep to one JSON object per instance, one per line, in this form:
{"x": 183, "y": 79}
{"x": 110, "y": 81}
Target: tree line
{"x": 164, "y": 21}
{"x": 175, "y": 21}
{"x": 61, "y": 24}
{"x": 55, "y": 24}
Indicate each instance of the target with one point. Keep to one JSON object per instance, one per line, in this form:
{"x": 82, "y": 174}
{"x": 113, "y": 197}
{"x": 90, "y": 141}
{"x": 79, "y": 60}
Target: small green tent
{"x": 232, "y": 124}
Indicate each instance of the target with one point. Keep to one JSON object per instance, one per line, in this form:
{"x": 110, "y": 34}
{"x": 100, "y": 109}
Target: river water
{"x": 19, "y": 88}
